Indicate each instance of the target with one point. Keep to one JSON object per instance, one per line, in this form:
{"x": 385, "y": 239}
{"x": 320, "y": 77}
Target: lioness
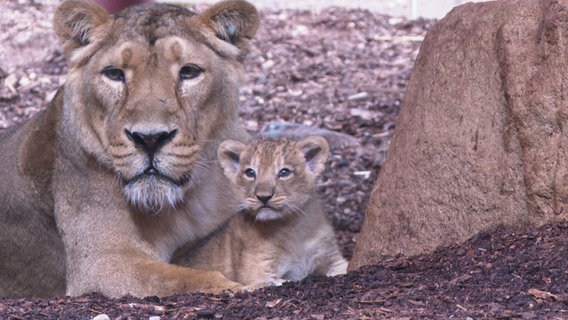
{"x": 281, "y": 232}
{"x": 100, "y": 189}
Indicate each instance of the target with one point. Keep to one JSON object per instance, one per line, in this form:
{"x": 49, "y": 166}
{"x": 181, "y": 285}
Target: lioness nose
{"x": 264, "y": 198}
{"x": 151, "y": 142}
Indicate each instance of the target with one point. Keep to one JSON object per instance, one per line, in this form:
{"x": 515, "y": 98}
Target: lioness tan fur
{"x": 100, "y": 189}
{"x": 281, "y": 232}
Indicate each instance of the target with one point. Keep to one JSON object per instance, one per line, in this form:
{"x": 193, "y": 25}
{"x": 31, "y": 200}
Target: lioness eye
{"x": 189, "y": 72}
{"x": 113, "y": 73}
{"x": 283, "y": 173}
{"x": 249, "y": 173}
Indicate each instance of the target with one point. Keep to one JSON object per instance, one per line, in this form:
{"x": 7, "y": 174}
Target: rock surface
{"x": 481, "y": 136}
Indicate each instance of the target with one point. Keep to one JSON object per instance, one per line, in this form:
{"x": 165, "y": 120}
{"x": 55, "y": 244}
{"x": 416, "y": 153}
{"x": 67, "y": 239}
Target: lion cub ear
{"x": 76, "y": 22}
{"x": 229, "y": 155}
{"x": 316, "y": 153}
{"x": 233, "y": 21}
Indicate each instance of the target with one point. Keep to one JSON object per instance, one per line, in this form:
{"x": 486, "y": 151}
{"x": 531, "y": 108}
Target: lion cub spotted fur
{"x": 280, "y": 232}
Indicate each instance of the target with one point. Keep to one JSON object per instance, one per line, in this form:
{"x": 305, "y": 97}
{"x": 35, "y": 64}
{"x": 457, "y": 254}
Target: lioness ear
{"x": 233, "y": 21}
{"x": 229, "y": 155}
{"x": 316, "y": 153}
{"x": 75, "y": 23}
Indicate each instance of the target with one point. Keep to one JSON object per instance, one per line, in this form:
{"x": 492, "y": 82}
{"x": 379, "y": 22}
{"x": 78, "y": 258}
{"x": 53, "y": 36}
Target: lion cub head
{"x": 152, "y": 90}
{"x": 274, "y": 178}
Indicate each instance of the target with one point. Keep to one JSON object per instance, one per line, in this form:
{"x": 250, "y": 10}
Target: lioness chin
{"x": 101, "y": 188}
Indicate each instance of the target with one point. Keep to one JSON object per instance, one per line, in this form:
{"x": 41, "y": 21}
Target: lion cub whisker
{"x": 295, "y": 210}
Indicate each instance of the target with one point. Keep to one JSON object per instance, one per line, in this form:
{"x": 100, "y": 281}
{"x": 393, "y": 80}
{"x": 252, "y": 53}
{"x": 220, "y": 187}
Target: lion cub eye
{"x": 250, "y": 173}
{"x": 190, "y": 72}
{"x": 113, "y": 73}
{"x": 284, "y": 173}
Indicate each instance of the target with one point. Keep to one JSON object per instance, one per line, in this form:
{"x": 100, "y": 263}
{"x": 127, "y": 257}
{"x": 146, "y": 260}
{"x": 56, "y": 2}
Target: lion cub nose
{"x": 151, "y": 142}
{"x": 264, "y": 198}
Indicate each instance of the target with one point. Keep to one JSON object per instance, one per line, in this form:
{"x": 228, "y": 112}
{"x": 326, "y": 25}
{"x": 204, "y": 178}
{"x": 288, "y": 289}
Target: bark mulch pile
{"x": 336, "y": 70}
{"x": 502, "y": 274}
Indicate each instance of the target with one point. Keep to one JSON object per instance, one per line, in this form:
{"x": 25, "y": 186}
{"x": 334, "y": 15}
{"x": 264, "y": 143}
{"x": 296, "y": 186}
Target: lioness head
{"x": 274, "y": 178}
{"x": 152, "y": 90}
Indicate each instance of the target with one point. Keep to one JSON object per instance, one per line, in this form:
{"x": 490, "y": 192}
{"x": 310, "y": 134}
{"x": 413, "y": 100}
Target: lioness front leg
{"x": 115, "y": 249}
{"x": 115, "y": 252}
{"x": 128, "y": 273}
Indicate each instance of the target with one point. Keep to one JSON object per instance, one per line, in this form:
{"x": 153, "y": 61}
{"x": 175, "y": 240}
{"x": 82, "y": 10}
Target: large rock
{"x": 482, "y": 135}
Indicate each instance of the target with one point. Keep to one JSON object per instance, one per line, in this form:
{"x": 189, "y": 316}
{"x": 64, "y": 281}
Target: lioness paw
{"x": 263, "y": 284}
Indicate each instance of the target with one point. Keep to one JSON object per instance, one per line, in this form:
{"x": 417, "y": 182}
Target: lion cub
{"x": 280, "y": 232}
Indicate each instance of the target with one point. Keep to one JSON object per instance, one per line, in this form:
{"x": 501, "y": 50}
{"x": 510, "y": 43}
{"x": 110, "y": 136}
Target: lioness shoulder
{"x": 280, "y": 232}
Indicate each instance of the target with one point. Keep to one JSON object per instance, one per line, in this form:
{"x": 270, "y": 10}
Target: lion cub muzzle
{"x": 264, "y": 192}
